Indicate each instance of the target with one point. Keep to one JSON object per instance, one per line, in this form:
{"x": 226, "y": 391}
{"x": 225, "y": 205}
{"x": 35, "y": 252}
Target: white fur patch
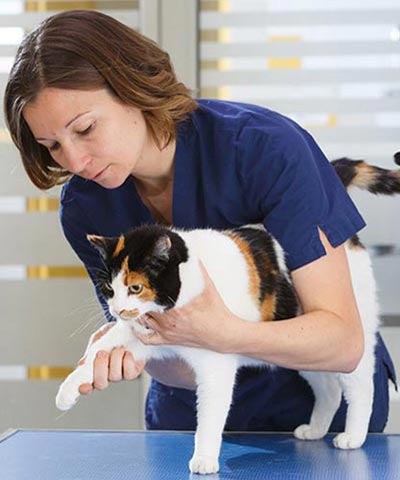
{"x": 215, "y": 373}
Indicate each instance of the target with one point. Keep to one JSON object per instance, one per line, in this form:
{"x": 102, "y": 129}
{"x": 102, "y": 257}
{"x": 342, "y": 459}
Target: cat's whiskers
{"x": 90, "y": 304}
{"x": 94, "y": 319}
{"x": 172, "y": 300}
{"x": 59, "y": 417}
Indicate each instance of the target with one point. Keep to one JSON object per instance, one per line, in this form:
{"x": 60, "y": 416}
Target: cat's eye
{"x": 135, "y": 289}
{"x": 108, "y": 287}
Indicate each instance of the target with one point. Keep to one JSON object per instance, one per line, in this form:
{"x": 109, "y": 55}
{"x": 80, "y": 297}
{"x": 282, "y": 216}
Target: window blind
{"x": 331, "y": 66}
{"x": 45, "y": 293}
{"x": 334, "y": 67}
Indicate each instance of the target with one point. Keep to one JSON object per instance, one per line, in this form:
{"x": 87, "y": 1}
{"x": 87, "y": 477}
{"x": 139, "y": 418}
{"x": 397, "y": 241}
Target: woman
{"x": 95, "y": 105}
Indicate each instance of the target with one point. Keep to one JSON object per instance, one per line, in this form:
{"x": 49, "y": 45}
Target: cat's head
{"x": 141, "y": 270}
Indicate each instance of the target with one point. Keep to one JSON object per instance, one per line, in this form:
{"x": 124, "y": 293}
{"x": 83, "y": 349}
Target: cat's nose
{"x": 128, "y": 314}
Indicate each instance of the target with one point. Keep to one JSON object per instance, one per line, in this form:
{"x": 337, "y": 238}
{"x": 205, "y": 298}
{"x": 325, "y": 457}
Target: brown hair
{"x": 87, "y": 50}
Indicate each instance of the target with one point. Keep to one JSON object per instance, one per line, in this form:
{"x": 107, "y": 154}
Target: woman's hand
{"x": 204, "y": 322}
{"x": 113, "y": 367}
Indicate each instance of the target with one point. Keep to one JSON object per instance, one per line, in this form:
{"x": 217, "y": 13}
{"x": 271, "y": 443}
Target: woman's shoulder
{"x": 79, "y": 195}
{"x": 244, "y": 126}
{"x": 77, "y": 189}
{"x": 241, "y": 112}
{"x": 73, "y": 185}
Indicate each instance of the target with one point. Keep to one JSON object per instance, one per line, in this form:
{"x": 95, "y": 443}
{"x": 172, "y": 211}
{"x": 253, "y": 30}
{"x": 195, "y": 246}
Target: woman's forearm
{"x": 173, "y": 372}
{"x": 318, "y": 340}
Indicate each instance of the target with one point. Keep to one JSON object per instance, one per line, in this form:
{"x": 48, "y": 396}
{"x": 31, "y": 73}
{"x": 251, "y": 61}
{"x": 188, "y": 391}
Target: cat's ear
{"x": 99, "y": 243}
{"x": 162, "y": 247}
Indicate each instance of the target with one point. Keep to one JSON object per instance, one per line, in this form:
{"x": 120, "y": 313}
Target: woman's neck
{"x": 155, "y": 173}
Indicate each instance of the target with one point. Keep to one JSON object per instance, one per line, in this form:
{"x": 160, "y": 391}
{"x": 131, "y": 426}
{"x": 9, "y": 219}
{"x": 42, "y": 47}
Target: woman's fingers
{"x": 100, "y": 374}
{"x": 130, "y": 368}
{"x": 85, "y": 389}
{"x": 113, "y": 367}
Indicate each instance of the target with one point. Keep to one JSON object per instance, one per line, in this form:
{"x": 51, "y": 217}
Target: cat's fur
{"x": 161, "y": 268}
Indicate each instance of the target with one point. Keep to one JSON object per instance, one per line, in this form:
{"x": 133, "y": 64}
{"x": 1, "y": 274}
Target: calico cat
{"x": 154, "y": 268}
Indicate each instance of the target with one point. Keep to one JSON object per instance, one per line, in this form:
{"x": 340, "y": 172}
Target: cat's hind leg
{"x": 358, "y": 390}
{"x": 215, "y": 380}
{"x": 328, "y": 395}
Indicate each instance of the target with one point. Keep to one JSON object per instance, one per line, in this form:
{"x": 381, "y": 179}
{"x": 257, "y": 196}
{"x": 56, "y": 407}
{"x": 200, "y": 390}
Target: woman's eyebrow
{"x": 75, "y": 118}
{"x": 67, "y": 125}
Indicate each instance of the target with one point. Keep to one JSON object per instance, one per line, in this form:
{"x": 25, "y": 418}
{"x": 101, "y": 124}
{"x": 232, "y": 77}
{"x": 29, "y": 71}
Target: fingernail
{"x": 101, "y": 354}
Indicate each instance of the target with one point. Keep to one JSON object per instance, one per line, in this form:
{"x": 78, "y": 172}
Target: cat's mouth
{"x": 129, "y": 314}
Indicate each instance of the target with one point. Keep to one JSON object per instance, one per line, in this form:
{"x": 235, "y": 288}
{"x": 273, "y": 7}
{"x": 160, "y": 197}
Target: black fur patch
{"x": 273, "y": 281}
{"x": 142, "y": 247}
{"x": 383, "y": 181}
{"x": 346, "y": 170}
{"x": 356, "y": 242}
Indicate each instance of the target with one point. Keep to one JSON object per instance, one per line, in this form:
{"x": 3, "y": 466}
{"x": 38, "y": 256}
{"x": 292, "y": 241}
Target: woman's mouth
{"x": 100, "y": 174}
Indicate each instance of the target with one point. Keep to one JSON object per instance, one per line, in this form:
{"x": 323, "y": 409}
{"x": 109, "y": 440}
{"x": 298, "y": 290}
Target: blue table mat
{"x": 83, "y": 455}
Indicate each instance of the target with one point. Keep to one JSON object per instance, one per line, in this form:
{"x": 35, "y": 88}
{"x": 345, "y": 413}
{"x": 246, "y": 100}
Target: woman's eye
{"x": 54, "y": 147}
{"x": 86, "y": 131}
{"x": 135, "y": 289}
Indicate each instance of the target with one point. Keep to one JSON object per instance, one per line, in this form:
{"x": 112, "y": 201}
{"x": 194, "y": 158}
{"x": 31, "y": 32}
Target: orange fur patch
{"x": 268, "y": 304}
{"x": 268, "y": 307}
{"x": 136, "y": 278}
{"x": 120, "y": 246}
{"x": 127, "y": 314}
{"x": 100, "y": 333}
{"x": 365, "y": 175}
{"x": 253, "y": 272}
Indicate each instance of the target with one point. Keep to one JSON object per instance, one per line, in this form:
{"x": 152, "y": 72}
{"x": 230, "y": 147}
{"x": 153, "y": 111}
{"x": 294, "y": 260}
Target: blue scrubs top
{"x": 236, "y": 164}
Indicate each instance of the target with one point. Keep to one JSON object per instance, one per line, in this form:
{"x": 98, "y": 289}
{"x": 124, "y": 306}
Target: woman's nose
{"x": 76, "y": 159}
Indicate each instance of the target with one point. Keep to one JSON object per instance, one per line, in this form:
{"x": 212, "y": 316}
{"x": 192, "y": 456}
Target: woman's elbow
{"x": 355, "y": 350}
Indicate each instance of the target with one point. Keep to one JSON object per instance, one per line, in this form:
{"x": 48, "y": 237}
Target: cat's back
{"x": 247, "y": 266}
{"x": 227, "y": 266}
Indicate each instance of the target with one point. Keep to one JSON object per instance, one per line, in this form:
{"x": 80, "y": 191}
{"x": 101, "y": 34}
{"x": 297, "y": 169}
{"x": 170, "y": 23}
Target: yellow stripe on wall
{"x": 45, "y": 372}
{"x": 284, "y": 63}
{"x": 223, "y": 64}
{"x": 5, "y": 136}
{"x": 42, "y": 204}
{"x": 215, "y": 6}
{"x": 43, "y": 272}
{"x": 221, "y": 35}
{"x": 333, "y": 120}
{"x": 283, "y": 38}
{"x": 221, "y": 93}
{"x": 47, "y": 6}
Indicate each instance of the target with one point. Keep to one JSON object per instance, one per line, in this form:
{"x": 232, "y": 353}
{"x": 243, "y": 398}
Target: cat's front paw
{"x": 346, "y": 441}
{"x": 203, "y": 464}
{"x": 307, "y": 432}
{"x": 68, "y": 394}
{"x": 65, "y": 400}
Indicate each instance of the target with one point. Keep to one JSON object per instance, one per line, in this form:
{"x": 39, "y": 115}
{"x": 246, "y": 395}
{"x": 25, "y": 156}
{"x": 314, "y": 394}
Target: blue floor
{"x": 84, "y": 455}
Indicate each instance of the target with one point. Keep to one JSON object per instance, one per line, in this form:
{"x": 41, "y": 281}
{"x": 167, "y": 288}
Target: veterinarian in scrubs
{"x": 95, "y": 106}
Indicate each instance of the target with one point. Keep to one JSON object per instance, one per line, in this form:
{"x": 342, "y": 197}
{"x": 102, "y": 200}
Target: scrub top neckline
{"x": 178, "y": 181}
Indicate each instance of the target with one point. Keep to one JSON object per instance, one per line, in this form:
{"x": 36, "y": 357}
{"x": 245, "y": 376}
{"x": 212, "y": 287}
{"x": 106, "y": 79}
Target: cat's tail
{"x": 368, "y": 177}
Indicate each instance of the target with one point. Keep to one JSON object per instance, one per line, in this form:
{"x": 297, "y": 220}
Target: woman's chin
{"x": 111, "y": 183}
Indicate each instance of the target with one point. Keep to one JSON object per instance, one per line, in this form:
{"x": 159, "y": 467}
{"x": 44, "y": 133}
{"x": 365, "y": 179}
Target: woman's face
{"x": 90, "y": 133}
